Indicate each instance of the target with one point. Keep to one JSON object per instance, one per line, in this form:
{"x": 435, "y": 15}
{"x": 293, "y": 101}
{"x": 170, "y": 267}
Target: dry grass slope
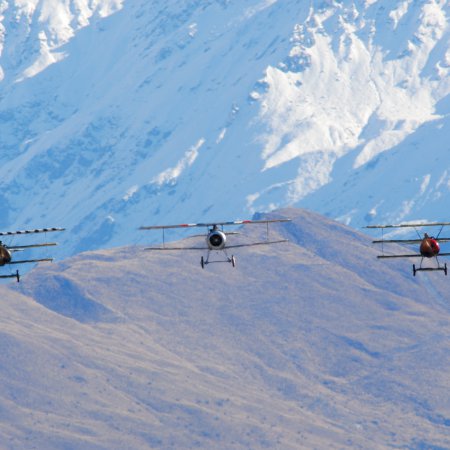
{"x": 310, "y": 344}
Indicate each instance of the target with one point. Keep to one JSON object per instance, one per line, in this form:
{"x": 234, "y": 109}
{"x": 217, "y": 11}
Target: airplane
{"x": 7, "y": 251}
{"x": 216, "y": 238}
{"x": 429, "y": 246}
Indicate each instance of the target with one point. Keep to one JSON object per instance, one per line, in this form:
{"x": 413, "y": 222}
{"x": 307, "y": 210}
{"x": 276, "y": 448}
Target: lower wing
{"x": 417, "y": 255}
{"x": 226, "y": 246}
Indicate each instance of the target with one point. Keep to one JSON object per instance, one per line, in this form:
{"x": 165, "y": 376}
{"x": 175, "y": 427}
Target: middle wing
{"x": 31, "y": 261}
{"x": 251, "y": 244}
{"x": 176, "y": 248}
{"x": 24, "y": 247}
{"x": 406, "y": 241}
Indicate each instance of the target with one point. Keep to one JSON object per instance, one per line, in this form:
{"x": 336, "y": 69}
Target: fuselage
{"x": 5, "y": 255}
{"x": 429, "y": 247}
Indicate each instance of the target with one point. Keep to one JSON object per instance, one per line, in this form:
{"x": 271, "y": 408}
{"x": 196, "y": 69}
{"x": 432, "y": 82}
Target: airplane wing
{"x": 411, "y": 225}
{"x": 176, "y": 248}
{"x": 211, "y": 224}
{"x": 251, "y": 244}
{"x": 205, "y": 248}
{"x": 416, "y": 255}
{"x": 31, "y": 261}
{"x": 39, "y": 230}
{"x": 13, "y": 275}
{"x": 406, "y": 241}
{"x": 203, "y": 235}
{"x": 24, "y": 247}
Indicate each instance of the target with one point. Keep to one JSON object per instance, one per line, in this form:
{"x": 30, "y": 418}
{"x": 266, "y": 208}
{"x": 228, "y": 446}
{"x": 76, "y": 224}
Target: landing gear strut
{"x": 204, "y": 262}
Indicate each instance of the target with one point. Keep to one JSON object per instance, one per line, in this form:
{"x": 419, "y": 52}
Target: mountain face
{"x": 121, "y": 113}
{"x": 309, "y": 344}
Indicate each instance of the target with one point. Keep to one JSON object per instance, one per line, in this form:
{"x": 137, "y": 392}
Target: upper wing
{"x": 411, "y": 225}
{"x": 39, "y": 230}
{"x": 211, "y": 224}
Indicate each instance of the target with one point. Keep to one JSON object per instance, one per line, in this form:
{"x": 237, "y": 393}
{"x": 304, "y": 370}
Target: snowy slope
{"x": 116, "y": 114}
{"x": 409, "y": 182}
{"x": 303, "y": 345}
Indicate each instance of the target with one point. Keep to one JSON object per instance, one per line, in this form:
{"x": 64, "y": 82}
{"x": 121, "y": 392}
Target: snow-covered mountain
{"x": 120, "y": 113}
{"x": 304, "y": 345}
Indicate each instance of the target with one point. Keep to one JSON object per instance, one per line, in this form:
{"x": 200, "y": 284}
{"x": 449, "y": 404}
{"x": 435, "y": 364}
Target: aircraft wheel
{"x": 445, "y": 269}
{"x": 202, "y": 262}
{"x": 414, "y": 269}
{"x": 233, "y": 261}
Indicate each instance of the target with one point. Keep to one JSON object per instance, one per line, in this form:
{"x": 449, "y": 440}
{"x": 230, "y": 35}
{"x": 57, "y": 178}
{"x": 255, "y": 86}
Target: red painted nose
{"x": 435, "y": 246}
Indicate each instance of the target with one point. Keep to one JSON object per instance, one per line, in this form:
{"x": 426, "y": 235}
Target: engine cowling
{"x": 216, "y": 240}
{"x": 429, "y": 247}
{"x": 5, "y": 256}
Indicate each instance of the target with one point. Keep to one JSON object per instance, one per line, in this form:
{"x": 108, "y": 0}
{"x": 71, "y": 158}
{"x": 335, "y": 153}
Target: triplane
{"x": 7, "y": 251}
{"x": 216, "y": 238}
{"x": 429, "y": 246}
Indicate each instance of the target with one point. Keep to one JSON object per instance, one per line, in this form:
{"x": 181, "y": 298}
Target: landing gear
{"x": 13, "y": 275}
{"x": 204, "y": 261}
{"x": 430, "y": 269}
{"x": 233, "y": 261}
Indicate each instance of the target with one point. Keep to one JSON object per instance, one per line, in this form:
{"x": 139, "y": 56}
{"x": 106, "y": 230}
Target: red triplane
{"x": 429, "y": 246}
{"x": 7, "y": 251}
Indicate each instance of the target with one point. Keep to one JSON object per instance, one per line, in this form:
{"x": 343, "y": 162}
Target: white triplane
{"x": 216, "y": 238}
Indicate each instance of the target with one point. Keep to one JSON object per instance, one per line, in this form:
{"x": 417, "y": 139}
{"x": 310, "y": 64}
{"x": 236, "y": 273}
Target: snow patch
{"x": 221, "y": 135}
{"x": 170, "y": 175}
{"x": 425, "y": 184}
{"x": 193, "y": 29}
{"x": 130, "y": 192}
{"x": 46, "y": 58}
{"x": 250, "y": 12}
{"x": 397, "y": 14}
{"x": 346, "y": 218}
